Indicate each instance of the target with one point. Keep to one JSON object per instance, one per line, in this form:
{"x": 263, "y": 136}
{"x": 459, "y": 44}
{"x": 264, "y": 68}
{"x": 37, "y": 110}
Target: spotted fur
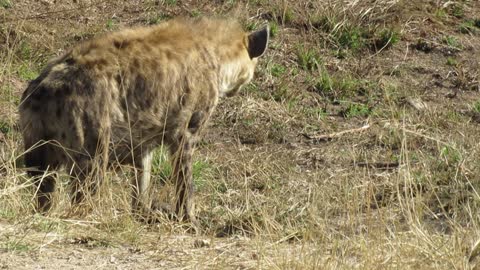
{"x": 116, "y": 98}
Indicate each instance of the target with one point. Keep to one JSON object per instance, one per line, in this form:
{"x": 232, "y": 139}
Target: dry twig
{"x": 328, "y": 137}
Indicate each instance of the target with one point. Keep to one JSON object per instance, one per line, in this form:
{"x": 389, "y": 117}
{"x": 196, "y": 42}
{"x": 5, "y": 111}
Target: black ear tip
{"x": 266, "y": 28}
{"x": 265, "y": 31}
{"x": 258, "y": 41}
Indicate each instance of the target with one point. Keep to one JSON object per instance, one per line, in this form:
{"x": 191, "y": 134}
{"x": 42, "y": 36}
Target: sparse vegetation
{"x": 308, "y": 58}
{"x": 110, "y": 24}
{"x": 277, "y": 70}
{"x": 5, "y": 128}
{"x": 468, "y": 27}
{"x": 157, "y": 18}
{"x": 452, "y": 62}
{"x": 273, "y": 191}
{"x": 15, "y": 246}
{"x": 5, "y": 4}
{"x": 26, "y": 72}
{"x": 356, "y": 110}
{"x": 387, "y": 38}
{"x": 273, "y": 29}
{"x": 476, "y": 106}
{"x": 351, "y": 38}
{"x": 451, "y": 41}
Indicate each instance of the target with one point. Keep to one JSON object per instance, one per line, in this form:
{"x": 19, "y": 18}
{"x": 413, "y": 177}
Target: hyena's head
{"x": 239, "y": 68}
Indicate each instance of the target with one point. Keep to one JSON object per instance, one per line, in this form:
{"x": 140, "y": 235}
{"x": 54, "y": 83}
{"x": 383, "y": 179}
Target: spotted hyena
{"x": 114, "y": 99}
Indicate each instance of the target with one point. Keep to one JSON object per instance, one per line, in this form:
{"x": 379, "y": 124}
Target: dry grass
{"x": 403, "y": 194}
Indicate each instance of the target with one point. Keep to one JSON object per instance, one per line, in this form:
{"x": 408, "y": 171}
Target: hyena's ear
{"x": 257, "y": 42}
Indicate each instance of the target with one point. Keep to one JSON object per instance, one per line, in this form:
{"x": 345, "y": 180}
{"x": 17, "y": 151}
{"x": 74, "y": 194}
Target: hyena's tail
{"x": 38, "y": 151}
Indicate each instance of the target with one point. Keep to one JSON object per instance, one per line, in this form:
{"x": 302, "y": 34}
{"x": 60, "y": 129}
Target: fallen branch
{"x": 328, "y": 137}
{"x": 378, "y": 165}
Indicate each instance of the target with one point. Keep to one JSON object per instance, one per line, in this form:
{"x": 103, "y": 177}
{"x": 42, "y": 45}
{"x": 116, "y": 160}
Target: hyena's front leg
{"x": 141, "y": 182}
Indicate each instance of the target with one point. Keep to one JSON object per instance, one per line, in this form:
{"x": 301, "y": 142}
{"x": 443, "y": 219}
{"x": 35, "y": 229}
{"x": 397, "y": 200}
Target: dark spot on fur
{"x": 152, "y": 130}
{"x": 168, "y": 55}
{"x": 147, "y": 48}
{"x": 196, "y": 121}
{"x": 102, "y": 62}
{"x": 40, "y": 93}
{"x": 63, "y": 136}
{"x": 93, "y": 46}
{"x": 63, "y": 91}
{"x": 58, "y": 112}
{"x": 91, "y": 130}
{"x": 59, "y": 93}
{"x": 140, "y": 92}
{"x": 118, "y": 79}
{"x": 47, "y": 135}
{"x": 36, "y": 107}
{"x": 148, "y": 102}
{"x": 86, "y": 121}
{"x": 70, "y": 61}
{"x": 124, "y": 105}
{"x": 81, "y": 82}
{"x": 136, "y": 63}
{"x": 153, "y": 65}
{"x": 140, "y": 83}
{"x": 186, "y": 87}
{"x": 118, "y": 44}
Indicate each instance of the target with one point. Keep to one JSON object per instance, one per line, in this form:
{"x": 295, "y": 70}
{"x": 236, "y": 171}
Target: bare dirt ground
{"x": 356, "y": 146}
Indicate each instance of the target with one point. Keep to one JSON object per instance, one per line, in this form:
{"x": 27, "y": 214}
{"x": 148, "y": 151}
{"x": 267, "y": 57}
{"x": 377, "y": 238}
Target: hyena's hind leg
{"x": 181, "y": 156}
{"x": 84, "y": 180}
{"x": 181, "y": 152}
{"x": 89, "y": 168}
{"x": 38, "y": 161}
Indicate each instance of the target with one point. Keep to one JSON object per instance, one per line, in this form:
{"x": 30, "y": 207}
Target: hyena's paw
{"x": 161, "y": 212}
{"x": 44, "y": 203}
{"x": 156, "y": 213}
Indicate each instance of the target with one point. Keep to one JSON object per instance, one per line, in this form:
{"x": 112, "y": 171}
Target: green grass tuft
{"x": 277, "y": 70}
{"x": 308, "y": 58}
{"x": 356, "y": 110}
{"x": 387, "y": 38}
{"x": 451, "y": 41}
{"x": 5, "y": 4}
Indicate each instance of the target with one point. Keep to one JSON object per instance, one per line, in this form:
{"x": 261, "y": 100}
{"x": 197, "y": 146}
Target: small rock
{"x": 417, "y": 103}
